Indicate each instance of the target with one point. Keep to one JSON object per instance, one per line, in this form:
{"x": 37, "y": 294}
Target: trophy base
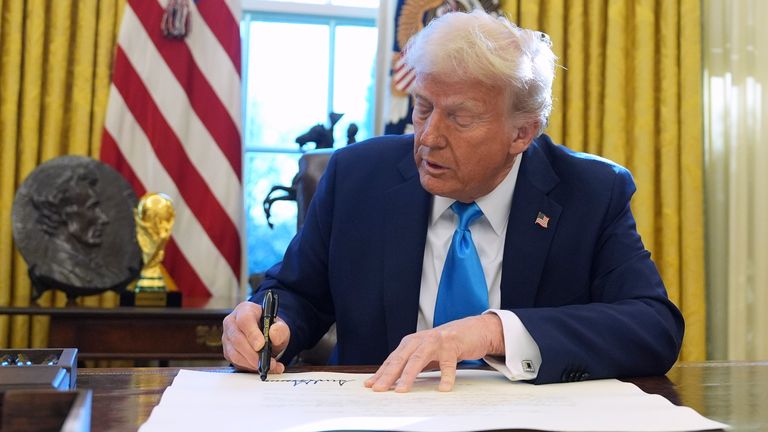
{"x": 151, "y": 299}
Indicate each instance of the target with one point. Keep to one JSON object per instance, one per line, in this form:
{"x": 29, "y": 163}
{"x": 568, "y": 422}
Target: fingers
{"x": 413, "y": 367}
{"x": 241, "y": 338}
{"x": 276, "y": 367}
{"x": 447, "y": 375}
{"x": 279, "y": 335}
{"x": 403, "y": 365}
{"x": 247, "y": 316}
{"x": 445, "y": 345}
{"x": 388, "y": 373}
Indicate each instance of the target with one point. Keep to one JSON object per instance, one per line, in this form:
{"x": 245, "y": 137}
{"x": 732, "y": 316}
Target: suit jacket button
{"x": 585, "y": 376}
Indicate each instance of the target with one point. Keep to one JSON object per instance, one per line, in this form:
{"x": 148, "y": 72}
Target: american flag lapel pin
{"x": 542, "y": 220}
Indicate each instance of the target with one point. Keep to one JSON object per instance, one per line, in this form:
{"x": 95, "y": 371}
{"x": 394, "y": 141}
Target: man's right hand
{"x": 243, "y": 339}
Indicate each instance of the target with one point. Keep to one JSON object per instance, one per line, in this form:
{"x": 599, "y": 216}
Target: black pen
{"x": 268, "y": 315}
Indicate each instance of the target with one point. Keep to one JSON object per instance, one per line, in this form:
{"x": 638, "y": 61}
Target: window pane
{"x": 262, "y": 171}
{"x": 354, "y": 83}
{"x": 287, "y": 82}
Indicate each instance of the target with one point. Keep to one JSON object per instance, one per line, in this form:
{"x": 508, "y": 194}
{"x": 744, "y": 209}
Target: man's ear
{"x": 524, "y": 135}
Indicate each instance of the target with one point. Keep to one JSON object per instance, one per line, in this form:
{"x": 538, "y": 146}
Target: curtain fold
{"x": 55, "y": 63}
{"x": 736, "y": 117}
{"x": 629, "y": 89}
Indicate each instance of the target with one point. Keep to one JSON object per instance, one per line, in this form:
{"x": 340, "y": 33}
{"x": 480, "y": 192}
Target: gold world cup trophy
{"x": 154, "y": 216}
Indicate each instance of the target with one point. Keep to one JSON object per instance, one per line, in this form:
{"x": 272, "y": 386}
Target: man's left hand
{"x": 444, "y": 346}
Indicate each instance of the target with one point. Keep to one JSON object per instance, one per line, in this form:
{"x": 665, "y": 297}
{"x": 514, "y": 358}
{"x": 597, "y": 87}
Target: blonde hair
{"x": 491, "y": 49}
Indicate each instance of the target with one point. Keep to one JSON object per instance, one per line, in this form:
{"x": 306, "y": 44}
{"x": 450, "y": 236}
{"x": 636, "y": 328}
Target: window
{"x": 300, "y": 62}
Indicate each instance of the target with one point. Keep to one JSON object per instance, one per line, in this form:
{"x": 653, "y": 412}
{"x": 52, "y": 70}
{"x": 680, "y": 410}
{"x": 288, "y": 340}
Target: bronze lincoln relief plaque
{"x": 73, "y": 224}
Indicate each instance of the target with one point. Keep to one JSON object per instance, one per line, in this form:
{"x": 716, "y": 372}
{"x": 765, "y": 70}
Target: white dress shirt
{"x": 522, "y": 358}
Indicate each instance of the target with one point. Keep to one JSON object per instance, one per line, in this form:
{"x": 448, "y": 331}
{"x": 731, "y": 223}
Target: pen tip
{"x": 263, "y": 377}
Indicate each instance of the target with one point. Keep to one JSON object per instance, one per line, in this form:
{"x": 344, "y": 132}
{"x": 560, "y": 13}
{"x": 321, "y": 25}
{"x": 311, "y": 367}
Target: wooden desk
{"x": 137, "y": 333}
{"x": 732, "y": 393}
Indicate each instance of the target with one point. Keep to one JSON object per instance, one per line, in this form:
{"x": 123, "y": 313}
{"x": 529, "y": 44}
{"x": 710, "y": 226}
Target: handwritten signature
{"x": 297, "y": 382}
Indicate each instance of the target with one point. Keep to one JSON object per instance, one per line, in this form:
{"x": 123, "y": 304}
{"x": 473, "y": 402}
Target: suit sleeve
{"x": 301, "y": 278}
{"x": 629, "y": 328}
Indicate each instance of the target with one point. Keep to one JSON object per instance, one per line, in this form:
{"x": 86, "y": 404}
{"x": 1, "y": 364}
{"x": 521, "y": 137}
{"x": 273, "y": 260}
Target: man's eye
{"x": 464, "y": 121}
{"x": 423, "y": 108}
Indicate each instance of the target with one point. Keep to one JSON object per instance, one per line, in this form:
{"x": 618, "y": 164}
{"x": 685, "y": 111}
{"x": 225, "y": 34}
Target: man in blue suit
{"x": 475, "y": 238}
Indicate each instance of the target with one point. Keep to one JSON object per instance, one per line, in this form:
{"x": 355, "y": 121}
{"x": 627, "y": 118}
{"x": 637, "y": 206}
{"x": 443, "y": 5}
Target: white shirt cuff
{"x": 522, "y": 357}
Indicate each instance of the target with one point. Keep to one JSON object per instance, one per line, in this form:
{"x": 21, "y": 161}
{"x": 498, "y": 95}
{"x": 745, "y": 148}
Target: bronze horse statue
{"x": 323, "y": 138}
{"x": 319, "y": 134}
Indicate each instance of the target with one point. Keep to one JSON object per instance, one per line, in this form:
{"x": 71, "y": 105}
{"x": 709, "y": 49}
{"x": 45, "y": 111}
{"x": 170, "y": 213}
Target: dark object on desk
{"x": 73, "y": 224}
{"x": 45, "y": 410}
{"x": 39, "y": 369}
{"x": 23, "y": 360}
{"x": 151, "y": 299}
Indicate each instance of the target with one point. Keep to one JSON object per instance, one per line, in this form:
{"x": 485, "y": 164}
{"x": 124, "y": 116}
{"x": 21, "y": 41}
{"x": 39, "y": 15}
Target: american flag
{"x": 173, "y": 126}
{"x": 542, "y": 220}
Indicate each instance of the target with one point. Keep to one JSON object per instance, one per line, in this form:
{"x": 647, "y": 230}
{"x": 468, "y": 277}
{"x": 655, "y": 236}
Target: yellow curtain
{"x": 630, "y": 89}
{"x": 55, "y": 65}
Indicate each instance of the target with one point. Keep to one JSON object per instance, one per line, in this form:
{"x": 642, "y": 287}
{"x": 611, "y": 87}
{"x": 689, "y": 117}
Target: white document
{"x": 480, "y": 400}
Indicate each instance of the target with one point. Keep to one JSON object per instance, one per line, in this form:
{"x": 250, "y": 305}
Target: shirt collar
{"x": 495, "y": 205}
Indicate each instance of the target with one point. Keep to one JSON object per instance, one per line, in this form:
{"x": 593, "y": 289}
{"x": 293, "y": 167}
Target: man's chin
{"x": 436, "y": 186}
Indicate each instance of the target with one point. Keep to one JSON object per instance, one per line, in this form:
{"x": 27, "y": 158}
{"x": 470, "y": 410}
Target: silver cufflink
{"x": 528, "y": 366}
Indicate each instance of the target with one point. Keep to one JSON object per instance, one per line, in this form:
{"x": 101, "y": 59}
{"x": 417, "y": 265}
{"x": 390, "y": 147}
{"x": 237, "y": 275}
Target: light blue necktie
{"x": 462, "y": 291}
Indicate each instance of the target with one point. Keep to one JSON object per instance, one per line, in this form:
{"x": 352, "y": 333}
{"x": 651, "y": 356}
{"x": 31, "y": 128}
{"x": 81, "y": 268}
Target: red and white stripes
{"x": 173, "y": 126}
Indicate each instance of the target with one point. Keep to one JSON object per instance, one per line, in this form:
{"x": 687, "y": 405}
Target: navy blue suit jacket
{"x": 584, "y": 287}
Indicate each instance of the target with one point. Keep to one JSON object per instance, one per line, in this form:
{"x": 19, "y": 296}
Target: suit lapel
{"x": 527, "y": 243}
{"x": 406, "y": 209}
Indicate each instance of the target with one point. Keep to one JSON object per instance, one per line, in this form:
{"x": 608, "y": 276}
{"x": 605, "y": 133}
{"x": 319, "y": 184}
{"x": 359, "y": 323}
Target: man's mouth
{"x": 433, "y": 166}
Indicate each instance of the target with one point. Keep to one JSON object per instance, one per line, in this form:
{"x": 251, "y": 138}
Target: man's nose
{"x": 432, "y": 131}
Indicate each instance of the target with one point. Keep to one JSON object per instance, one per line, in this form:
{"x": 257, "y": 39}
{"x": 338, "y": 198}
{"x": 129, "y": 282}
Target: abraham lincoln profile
{"x": 69, "y": 213}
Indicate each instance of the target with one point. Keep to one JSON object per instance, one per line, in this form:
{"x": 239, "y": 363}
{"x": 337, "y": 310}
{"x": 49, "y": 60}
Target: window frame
{"x": 295, "y": 13}
{"x": 298, "y": 8}
{"x": 333, "y": 22}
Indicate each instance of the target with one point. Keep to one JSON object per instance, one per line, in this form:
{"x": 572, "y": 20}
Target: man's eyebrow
{"x": 419, "y": 97}
{"x": 463, "y": 104}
